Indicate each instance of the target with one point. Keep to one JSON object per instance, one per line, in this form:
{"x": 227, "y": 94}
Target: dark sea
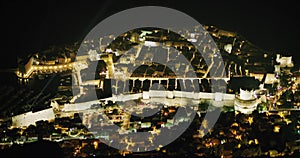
{"x": 8, "y": 79}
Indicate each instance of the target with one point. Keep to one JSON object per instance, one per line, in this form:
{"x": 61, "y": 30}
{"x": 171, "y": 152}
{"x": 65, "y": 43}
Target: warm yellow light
{"x": 235, "y": 124}
{"x": 201, "y": 133}
{"x": 276, "y": 129}
{"x": 256, "y": 141}
{"x": 205, "y": 123}
{"x": 250, "y": 120}
{"x": 250, "y": 142}
{"x": 281, "y": 114}
{"x": 236, "y": 112}
{"x": 287, "y": 121}
{"x": 233, "y": 132}
{"x": 239, "y": 137}
{"x": 95, "y": 144}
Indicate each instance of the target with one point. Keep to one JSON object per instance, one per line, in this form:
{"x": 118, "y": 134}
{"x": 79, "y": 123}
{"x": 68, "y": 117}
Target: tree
{"x": 262, "y": 107}
{"x": 204, "y": 106}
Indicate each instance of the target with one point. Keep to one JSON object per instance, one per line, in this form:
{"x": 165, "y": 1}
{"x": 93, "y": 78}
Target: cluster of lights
{"x": 52, "y": 67}
{"x": 55, "y": 67}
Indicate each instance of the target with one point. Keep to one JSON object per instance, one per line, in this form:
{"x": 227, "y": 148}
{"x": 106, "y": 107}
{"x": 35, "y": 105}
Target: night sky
{"x": 28, "y": 27}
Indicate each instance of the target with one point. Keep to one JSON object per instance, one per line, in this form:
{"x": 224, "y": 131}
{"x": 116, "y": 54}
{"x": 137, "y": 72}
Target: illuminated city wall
{"x": 30, "y": 118}
{"x": 148, "y": 95}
